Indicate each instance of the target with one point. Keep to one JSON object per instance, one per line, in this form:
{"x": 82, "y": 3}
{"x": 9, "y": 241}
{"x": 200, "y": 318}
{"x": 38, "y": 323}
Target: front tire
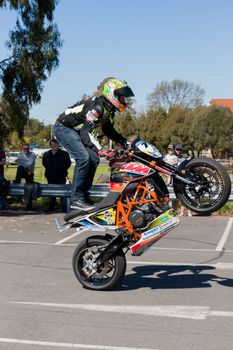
{"x": 107, "y": 275}
{"x": 214, "y": 189}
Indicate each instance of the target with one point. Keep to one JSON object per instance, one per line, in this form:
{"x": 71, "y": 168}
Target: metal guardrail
{"x": 51, "y": 190}
{"x": 55, "y": 190}
{"x": 101, "y": 190}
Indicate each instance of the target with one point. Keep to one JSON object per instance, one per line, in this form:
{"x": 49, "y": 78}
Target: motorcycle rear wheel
{"x": 215, "y": 186}
{"x": 108, "y": 274}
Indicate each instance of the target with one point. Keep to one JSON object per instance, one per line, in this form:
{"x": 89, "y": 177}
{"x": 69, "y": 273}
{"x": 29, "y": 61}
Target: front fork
{"x": 106, "y": 251}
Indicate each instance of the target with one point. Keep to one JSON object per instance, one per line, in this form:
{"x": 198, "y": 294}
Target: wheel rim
{"x": 210, "y": 189}
{"x": 104, "y": 273}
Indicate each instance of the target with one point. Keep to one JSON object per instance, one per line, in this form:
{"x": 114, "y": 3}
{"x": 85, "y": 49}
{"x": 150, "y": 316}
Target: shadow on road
{"x": 172, "y": 277}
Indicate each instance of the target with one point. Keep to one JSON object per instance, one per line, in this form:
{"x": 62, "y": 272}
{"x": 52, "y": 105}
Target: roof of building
{"x": 226, "y": 102}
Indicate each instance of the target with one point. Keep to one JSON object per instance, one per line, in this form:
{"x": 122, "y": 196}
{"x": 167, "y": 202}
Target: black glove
{"x": 123, "y": 142}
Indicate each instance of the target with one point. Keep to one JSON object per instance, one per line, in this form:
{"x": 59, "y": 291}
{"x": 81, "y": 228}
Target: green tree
{"x": 175, "y": 128}
{"x": 211, "y": 128}
{"x": 13, "y": 116}
{"x": 33, "y": 46}
{"x": 36, "y": 132}
{"x": 149, "y": 126}
{"x": 177, "y": 93}
{"x": 15, "y": 142}
{"x": 219, "y": 125}
{"x": 198, "y": 135}
{"x": 125, "y": 123}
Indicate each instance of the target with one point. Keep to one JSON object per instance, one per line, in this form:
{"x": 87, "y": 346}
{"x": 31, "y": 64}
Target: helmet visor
{"x": 125, "y": 91}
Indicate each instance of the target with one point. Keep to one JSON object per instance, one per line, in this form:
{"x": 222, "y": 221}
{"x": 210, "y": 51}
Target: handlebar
{"x": 111, "y": 154}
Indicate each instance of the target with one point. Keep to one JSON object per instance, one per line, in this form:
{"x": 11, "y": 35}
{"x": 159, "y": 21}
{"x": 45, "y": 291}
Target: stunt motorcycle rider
{"x": 133, "y": 216}
{"x": 74, "y": 128}
{"x": 135, "y": 213}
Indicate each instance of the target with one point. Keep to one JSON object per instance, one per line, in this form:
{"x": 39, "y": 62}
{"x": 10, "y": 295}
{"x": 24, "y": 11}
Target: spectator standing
{"x": 2, "y": 162}
{"x": 172, "y": 159}
{"x": 3, "y": 203}
{"x": 56, "y": 163}
{"x": 179, "y": 153}
{"x": 26, "y": 164}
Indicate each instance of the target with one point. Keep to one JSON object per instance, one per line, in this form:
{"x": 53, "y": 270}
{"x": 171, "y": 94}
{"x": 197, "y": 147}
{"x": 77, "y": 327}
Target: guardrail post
{"x": 68, "y": 202}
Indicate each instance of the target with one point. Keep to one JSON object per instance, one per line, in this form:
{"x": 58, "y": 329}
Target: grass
{"x": 226, "y": 210}
{"x": 43, "y": 202}
{"x": 10, "y": 172}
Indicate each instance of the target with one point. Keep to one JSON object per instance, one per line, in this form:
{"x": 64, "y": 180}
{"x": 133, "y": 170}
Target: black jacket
{"x": 88, "y": 114}
{"x": 56, "y": 165}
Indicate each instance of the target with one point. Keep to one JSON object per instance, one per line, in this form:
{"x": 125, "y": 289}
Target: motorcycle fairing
{"x": 136, "y": 168}
{"x": 148, "y": 149}
{"x": 101, "y": 218}
{"x": 128, "y": 172}
{"x": 106, "y": 217}
{"x": 158, "y": 228}
{"x": 117, "y": 187}
{"x": 114, "y": 210}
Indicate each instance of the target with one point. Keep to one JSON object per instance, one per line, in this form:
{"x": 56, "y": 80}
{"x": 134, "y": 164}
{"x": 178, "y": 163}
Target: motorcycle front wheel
{"x": 212, "y": 190}
{"x": 106, "y": 275}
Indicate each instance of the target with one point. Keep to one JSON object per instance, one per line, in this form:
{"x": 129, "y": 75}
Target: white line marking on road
{"x": 224, "y": 266}
{"x": 183, "y": 249}
{"x": 221, "y": 313}
{"x": 225, "y": 235}
{"x": 25, "y": 242}
{"x": 178, "y": 311}
{"x": 67, "y": 238}
{"x": 66, "y": 345}
{"x": 217, "y": 266}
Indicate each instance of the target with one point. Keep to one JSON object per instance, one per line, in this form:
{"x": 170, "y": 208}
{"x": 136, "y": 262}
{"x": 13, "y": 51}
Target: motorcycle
{"x": 136, "y": 213}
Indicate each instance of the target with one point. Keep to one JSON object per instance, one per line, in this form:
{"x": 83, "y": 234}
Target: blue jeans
{"x": 86, "y": 160}
{"x": 22, "y": 174}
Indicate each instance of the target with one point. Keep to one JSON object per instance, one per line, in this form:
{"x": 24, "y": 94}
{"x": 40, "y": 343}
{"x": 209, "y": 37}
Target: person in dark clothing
{"x": 56, "y": 163}
{"x": 2, "y": 161}
{"x": 74, "y": 129}
{"x": 3, "y": 202}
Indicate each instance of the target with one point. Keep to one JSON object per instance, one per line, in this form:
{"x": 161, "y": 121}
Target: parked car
{"x": 39, "y": 151}
{"x": 11, "y": 157}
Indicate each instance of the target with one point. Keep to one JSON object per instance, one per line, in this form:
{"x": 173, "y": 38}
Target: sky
{"x": 141, "y": 41}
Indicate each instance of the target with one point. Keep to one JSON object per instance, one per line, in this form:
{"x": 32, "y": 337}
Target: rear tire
{"x": 108, "y": 275}
{"x": 216, "y": 186}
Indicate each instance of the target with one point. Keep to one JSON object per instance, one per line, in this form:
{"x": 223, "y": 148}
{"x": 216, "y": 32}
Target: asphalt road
{"x": 178, "y": 295}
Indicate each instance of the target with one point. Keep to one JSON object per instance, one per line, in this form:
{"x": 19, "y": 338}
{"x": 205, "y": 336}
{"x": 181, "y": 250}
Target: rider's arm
{"x": 85, "y": 132}
{"x": 110, "y": 132}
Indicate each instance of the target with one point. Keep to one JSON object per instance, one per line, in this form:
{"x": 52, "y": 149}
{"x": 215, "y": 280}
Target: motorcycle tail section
{"x": 158, "y": 228}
